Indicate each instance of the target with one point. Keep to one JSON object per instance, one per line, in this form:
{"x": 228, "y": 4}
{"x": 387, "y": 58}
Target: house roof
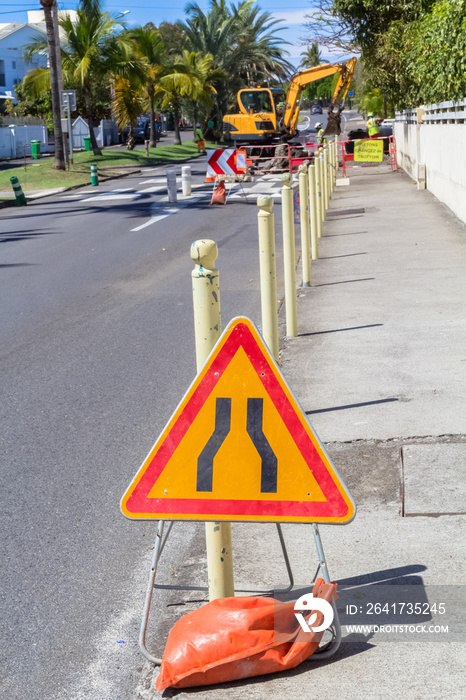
{"x": 7, "y": 29}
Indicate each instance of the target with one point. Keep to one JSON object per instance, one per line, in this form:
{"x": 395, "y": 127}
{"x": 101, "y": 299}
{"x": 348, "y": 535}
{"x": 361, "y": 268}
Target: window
{"x": 16, "y": 81}
{"x": 2, "y": 73}
{"x": 13, "y": 65}
{"x": 256, "y": 101}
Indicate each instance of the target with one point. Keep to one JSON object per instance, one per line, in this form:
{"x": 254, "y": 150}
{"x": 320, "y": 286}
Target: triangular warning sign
{"x": 239, "y": 448}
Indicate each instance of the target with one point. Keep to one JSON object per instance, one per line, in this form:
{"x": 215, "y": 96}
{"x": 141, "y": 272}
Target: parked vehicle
{"x": 354, "y": 135}
{"x": 141, "y": 130}
{"x": 385, "y": 131}
{"x": 316, "y": 109}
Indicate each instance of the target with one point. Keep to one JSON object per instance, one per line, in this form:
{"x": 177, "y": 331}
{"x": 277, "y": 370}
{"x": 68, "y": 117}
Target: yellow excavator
{"x": 267, "y": 114}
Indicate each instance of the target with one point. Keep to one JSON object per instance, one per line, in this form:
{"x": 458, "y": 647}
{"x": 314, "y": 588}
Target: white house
{"x": 13, "y": 38}
{"x": 13, "y": 68}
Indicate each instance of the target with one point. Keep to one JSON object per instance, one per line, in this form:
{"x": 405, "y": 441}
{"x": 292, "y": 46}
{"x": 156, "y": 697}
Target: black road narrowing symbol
{"x": 260, "y": 442}
{"x": 254, "y": 420}
{"x": 205, "y": 462}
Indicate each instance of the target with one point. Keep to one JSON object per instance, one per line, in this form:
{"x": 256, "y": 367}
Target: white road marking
{"x": 275, "y": 194}
{"x": 164, "y": 212}
{"x": 148, "y": 190}
{"x": 157, "y": 181}
{"x": 79, "y": 194}
{"x": 263, "y": 185}
{"x": 259, "y": 187}
{"x": 105, "y": 196}
{"x": 198, "y": 185}
{"x": 128, "y": 193}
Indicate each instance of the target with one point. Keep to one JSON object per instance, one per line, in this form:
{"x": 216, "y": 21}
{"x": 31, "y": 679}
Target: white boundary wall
{"x": 431, "y": 146}
{"x": 14, "y": 138}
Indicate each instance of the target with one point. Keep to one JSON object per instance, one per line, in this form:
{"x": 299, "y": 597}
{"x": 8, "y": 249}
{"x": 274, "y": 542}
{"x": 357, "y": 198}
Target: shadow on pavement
{"x": 340, "y": 330}
{"x": 351, "y": 405}
{"x": 329, "y": 284}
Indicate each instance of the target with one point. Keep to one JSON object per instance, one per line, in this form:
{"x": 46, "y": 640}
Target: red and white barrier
{"x": 228, "y": 161}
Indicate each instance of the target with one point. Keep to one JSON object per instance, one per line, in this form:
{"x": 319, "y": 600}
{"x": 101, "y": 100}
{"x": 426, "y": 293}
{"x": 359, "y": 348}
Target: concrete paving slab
{"x": 382, "y": 332}
{"x": 434, "y": 479}
{"x": 378, "y": 546}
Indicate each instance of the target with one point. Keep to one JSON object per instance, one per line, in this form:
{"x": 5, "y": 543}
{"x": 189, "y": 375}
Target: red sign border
{"x": 239, "y": 333}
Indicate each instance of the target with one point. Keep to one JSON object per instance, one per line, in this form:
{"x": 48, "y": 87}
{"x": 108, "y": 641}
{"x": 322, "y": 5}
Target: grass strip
{"x": 40, "y": 174}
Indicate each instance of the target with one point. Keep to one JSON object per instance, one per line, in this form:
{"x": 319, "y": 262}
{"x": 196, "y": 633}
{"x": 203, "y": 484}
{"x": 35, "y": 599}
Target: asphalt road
{"x": 97, "y": 350}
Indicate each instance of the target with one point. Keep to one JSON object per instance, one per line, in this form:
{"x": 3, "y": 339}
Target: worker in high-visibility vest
{"x": 199, "y": 138}
{"x": 373, "y": 126}
{"x": 320, "y": 133}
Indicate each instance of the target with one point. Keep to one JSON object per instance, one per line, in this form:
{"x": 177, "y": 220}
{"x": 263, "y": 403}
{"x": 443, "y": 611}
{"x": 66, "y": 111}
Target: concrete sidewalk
{"x": 379, "y": 367}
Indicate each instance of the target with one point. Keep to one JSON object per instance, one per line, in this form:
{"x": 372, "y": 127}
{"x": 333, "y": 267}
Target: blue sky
{"x": 157, "y": 11}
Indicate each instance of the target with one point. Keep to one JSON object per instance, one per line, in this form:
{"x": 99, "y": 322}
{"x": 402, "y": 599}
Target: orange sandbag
{"x": 233, "y": 638}
{"x": 219, "y": 196}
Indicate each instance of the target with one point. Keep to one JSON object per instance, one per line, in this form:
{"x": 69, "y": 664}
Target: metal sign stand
{"x": 232, "y": 179}
{"x": 160, "y": 541}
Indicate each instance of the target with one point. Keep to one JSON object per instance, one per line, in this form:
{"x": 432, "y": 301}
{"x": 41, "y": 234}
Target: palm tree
{"x": 239, "y": 38}
{"x": 172, "y": 87}
{"x": 211, "y": 32}
{"x": 127, "y": 105}
{"x": 258, "y": 54}
{"x": 311, "y": 56}
{"x": 150, "y": 49}
{"x": 202, "y": 73}
{"x": 242, "y": 41}
{"x": 92, "y": 51}
{"x": 59, "y": 160}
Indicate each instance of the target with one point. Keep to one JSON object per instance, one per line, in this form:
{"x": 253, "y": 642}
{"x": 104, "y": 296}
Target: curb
{"x": 5, "y": 203}
{"x": 12, "y": 202}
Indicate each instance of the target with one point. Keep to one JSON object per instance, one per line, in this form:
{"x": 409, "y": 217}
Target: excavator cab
{"x": 260, "y": 114}
{"x": 254, "y": 101}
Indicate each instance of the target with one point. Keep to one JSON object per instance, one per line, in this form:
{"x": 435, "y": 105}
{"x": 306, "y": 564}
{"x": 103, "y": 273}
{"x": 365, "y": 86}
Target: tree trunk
{"x": 176, "y": 112}
{"x": 152, "y": 139}
{"x": 90, "y": 120}
{"x": 59, "y": 161}
{"x": 130, "y": 144}
{"x": 58, "y": 52}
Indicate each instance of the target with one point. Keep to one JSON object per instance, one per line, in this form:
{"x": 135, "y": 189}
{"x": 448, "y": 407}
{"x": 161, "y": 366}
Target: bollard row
{"x": 316, "y": 185}
{"x": 208, "y": 328}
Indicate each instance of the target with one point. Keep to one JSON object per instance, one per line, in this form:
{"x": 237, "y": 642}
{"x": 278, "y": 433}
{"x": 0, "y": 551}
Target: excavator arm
{"x": 341, "y": 91}
{"x": 301, "y": 79}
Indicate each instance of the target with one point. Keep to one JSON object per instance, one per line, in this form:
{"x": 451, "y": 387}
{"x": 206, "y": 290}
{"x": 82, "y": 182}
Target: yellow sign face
{"x": 368, "y": 151}
{"x": 238, "y": 448}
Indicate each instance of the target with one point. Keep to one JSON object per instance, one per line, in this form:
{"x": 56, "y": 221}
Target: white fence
{"x": 431, "y": 143}
{"x": 15, "y": 140}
